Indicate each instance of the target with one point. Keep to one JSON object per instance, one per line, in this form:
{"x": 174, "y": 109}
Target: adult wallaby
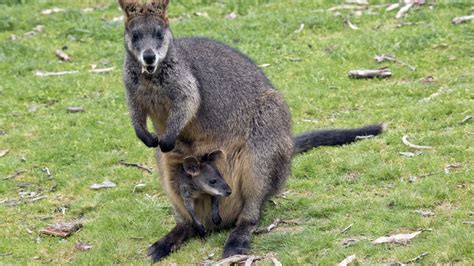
{"x": 199, "y": 177}
{"x": 201, "y": 96}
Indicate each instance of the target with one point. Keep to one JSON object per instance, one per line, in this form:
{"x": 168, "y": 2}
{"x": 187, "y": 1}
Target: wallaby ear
{"x": 159, "y": 8}
{"x": 191, "y": 166}
{"x": 215, "y": 156}
{"x": 131, "y": 8}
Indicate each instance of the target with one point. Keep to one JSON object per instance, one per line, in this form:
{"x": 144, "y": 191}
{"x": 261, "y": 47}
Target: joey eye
{"x": 213, "y": 181}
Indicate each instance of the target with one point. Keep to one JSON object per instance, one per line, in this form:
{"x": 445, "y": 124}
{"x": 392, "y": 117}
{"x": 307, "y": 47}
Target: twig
{"x": 102, "y": 70}
{"x": 393, "y": 7}
{"x": 347, "y": 260}
{"x": 414, "y": 146}
{"x": 6, "y": 254}
{"x": 468, "y": 222}
{"x": 348, "y": 7}
{"x": 346, "y": 229}
{"x": 384, "y": 57}
{"x": 275, "y": 261}
{"x": 368, "y": 73}
{"x": 61, "y": 73}
{"x": 417, "y": 258}
{"x": 138, "y": 165}
{"x": 38, "y": 198}
{"x": 17, "y": 173}
{"x": 404, "y": 9}
{"x": 233, "y": 259}
{"x": 268, "y": 228}
{"x": 463, "y": 19}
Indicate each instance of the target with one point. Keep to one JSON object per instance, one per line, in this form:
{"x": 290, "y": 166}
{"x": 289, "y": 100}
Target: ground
{"x": 363, "y": 184}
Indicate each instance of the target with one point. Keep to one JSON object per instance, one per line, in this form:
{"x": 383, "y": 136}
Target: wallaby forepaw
{"x": 216, "y": 220}
{"x": 167, "y": 144}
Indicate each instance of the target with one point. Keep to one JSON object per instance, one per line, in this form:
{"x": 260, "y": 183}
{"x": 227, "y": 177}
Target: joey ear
{"x": 215, "y": 156}
{"x": 191, "y": 166}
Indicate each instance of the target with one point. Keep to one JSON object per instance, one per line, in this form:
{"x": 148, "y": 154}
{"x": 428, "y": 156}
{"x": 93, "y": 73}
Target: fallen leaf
{"x": 62, "y": 55}
{"x": 410, "y": 154}
{"x": 264, "y": 65}
{"x": 347, "y": 260}
{"x": 52, "y": 10}
{"x": 425, "y": 213}
{"x": 201, "y": 14}
{"x": 300, "y": 29}
{"x": 75, "y": 109}
{"x": 138, "y": 187}
{"x": 62, "y": 229}
{"x": 105, "y": 184}
{"x": 3, "y": 153}
{"x": 466, "y": 119}
{"x": 399, "y": 238}
{"x": 231, "y": 16}
{"x": 118, "y": 19}
{"x": 83, "y": 246}
{"x": 428, "y": 79}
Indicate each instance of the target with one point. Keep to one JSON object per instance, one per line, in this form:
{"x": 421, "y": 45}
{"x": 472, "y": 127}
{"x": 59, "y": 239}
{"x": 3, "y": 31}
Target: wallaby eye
{"x": 157, "y": 35}
{"x": 135, "y": 37}
{"x": 213, "y": 181}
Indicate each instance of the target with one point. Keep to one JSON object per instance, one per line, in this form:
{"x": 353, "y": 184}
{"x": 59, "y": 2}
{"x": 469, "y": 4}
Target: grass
{"x": 364, "y": 184}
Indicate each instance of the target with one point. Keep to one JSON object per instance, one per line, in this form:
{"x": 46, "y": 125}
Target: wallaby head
{"x": 205, "y": 175}
{"x": 147, "y": 33}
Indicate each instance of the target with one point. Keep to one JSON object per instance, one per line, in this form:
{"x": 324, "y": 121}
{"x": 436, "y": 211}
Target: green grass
{"x": 363, "y": 184}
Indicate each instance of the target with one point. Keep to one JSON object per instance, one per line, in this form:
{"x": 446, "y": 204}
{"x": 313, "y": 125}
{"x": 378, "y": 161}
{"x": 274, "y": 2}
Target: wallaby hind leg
{"x": 269, "y": 151}
{"x": 171, "y": 242}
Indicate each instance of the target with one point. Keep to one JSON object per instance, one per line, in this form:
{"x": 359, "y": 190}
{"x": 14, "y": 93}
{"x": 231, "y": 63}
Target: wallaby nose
{"x": 149, "y": 57}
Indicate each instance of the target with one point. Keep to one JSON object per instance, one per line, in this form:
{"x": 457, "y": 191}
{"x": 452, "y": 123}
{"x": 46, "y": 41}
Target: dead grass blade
{"x": 416, "y": 259}
{"x": 399, "y": 238}
{"x": 347, "y": 260}
{"x": 267, "y": 229}
{"x": 414, "y": 146}
{"x": 17, "y": 173}
{"x": 137, "y": 165}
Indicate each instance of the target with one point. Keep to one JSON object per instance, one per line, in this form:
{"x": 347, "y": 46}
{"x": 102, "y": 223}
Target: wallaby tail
{"x": 334, "y": 137}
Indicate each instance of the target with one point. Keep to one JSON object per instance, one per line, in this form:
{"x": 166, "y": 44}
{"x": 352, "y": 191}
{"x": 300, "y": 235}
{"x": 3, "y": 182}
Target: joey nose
{"x": 149, "y": 57}
{"x": 228, "y": 192}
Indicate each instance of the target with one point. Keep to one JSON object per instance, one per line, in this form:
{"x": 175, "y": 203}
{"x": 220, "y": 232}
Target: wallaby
{"x": 199, "y": 176}
{"x": 202, "y": 95}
